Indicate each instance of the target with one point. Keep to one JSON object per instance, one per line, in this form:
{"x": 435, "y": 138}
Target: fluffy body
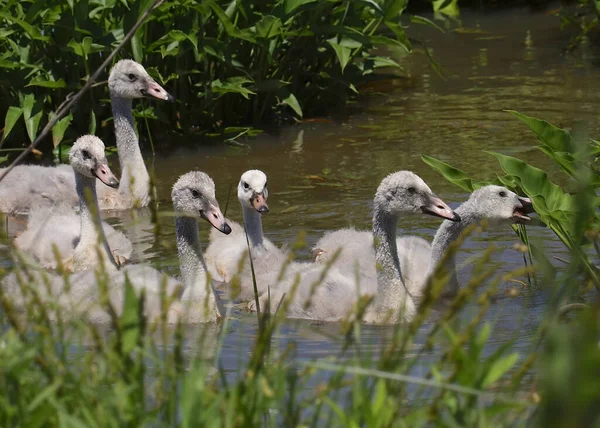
{"x": 60, "y": 227}
{"x": 79, "y": 295}
{"x": 418, "y": 258}
{"x": 228, "y": 256}
{"x": 30, "y": 186}
{"x": 333, "y": 296}
{"x": 75, "y": 235}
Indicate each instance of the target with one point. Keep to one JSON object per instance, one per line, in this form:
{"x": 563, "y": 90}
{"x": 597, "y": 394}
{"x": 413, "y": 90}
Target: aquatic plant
{"x": 572, "y": 215}
{"x": 227, "y": 63}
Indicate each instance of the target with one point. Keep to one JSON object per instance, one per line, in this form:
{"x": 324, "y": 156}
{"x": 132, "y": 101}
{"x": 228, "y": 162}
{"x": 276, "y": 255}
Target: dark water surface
{"x": 323, "y": 176}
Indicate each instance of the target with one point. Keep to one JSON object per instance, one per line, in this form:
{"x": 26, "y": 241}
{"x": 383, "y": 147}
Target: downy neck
{"x": 446, "y": 234}
{"x": 135, "y": 181}
{"x": 392, "y": 297}
{"x": 91, "y": 232}
{"x": 192, "y": 264}
{"x": 253, "y": 225}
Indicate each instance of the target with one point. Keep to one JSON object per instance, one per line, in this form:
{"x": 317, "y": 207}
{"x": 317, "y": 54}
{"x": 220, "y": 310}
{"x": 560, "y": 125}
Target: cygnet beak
{"x": 154, "y": 90}
{"x": 215, "y": 217}
{"x": 259, "y": 203}
{"x": 103, "y": 173}
{"x": 438, "y": 208}
{"x": 527, "y": 205}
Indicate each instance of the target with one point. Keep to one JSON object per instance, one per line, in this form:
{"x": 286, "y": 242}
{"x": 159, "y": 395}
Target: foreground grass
{"x": 135, "y": 373}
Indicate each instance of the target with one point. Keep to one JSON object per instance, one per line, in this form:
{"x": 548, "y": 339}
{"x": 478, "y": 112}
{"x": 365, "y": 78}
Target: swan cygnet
{"x": 28, "y": 186}
{"x": 224, "y": 253}
{"x": 194, "y": 300}
{"x": 74, "y": 235}
{"x": 335, "y": 297}
{"x": 418, "y": 258}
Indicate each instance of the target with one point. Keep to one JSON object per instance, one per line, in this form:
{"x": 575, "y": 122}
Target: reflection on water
{"x": 323, "y": 176}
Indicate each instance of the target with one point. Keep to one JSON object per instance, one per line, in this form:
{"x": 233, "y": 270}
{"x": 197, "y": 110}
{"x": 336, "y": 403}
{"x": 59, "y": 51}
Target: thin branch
{"x": 65, "y": 107}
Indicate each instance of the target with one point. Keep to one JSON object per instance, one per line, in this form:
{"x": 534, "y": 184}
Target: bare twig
{"x": 64, "y": 108}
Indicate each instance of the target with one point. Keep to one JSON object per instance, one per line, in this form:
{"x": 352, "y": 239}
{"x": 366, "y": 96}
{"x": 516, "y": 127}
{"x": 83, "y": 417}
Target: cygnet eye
{"x": 412, "y": 190}
{"x": 86, "y": 154}
{"x": 132, "y": 77}
{"x": 502, "y": 194}
{"x": 246, "y": 185}
{"x": 195, "y": 193}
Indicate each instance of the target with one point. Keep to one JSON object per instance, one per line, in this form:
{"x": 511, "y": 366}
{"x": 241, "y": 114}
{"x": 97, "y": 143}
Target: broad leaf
{"x": 556, "y": 138}
{"x": 292, "y": 5}
{"x": 12, "y": 116}
{"x": 393, "y": 8}
{"x": 343, "y": 53}
{"x": 53, "y": 84}
{"x": 268, "y": 27}
{"x": 229, "y": 26}
{"x": 499, "y": 368}
{"x": 549, "y": 200}
{"x": 130, "y": 320}
{"x": 232, "y": 85}
{"x": 421, "y": 20}
{"x": 400, "y": 35}
{"x": 453, "y": 175}
{"x": 293, "y": 103}
{"x": 58, "y": 130}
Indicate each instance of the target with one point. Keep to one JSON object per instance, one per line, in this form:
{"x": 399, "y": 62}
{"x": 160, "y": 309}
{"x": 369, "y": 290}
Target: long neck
{"x": 192, "y": 265}
{"x": 446, "y": 234}
{"x": 135, "y": 181}
{"x": 392, "y": 297}
{"x": 253, "y": 224}
{"x": 91, "y": 231}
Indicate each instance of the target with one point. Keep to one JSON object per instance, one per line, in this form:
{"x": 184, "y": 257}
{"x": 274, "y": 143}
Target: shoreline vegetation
{"x": 136, "y": 372}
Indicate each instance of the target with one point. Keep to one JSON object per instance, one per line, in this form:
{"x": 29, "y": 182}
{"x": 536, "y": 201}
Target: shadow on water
{"x": 323, "y": 175}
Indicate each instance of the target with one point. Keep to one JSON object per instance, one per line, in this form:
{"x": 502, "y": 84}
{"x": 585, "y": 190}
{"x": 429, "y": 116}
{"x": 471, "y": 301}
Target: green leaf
{"x": 229, "y": 26}
{"x": 44, "y": 83}
{"x": 232, "y": 85}
{"x": 556, "y": 138}
{"x": 292, "y": 5}
{"x": 499, "y": 368}
{"x": 387, "y": 41}
{"x": 453, "y": 175}
{"x": 92, "y": 122}
{"x": 380, "y": 61}
{"x": 268, "y": 27}
{"x": 58, "y": 130}
{"x": 12, "y": 116}
{"x": 137, "y": 46}
{"x": 393, "y": 8}
{"x": 555, "y": 207}
{"x": 3, "y": 159}
{"x": 293, "y": 103}
{"x": 380, "y": 396}
{"x": 31, "y": 31}
{"x": 400, "y": 35}
{"x": 421, "y": 20}
{"x": 130, "y": 321}
{"x": 32, "y": 119}
{"x": 447, "y": 7}
{"x": 343, "y": 53}
{"x": 27, "y": 105}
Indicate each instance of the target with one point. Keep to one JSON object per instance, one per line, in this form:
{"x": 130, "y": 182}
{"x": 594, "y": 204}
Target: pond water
{"x": 323, "y": 175}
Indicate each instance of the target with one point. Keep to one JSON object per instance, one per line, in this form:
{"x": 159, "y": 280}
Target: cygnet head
{"x": 252, "y": 190}
{"x": 405, "y": 192}
{"x": 87, "y": 158}
{"x": 130, "y": 80}
{"x": 194, "y": 193}
{"x": 500, "y": 205}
